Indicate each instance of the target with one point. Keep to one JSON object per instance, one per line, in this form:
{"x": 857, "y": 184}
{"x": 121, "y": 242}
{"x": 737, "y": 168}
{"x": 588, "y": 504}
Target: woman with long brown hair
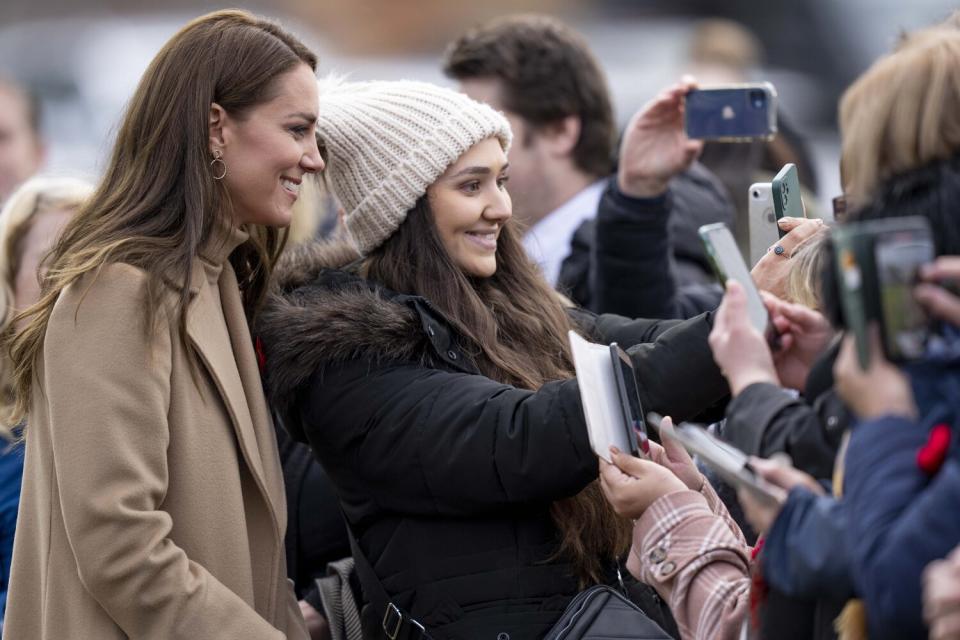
{"x": 428, "y": 366}
{"x": 152, "y": 503}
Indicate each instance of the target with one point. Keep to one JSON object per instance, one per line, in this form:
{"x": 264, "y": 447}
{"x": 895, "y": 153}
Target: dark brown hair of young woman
{"x": 515, "y": 327}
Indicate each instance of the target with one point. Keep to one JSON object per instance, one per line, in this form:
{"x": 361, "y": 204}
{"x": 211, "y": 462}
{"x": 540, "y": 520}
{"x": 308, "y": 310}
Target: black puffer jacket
{"x": 447, "y": 476}
{"x": 642, "y": 257}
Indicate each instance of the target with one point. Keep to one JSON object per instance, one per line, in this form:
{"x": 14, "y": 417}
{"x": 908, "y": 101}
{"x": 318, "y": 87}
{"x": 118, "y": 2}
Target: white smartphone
{"x": 763, "y": 220}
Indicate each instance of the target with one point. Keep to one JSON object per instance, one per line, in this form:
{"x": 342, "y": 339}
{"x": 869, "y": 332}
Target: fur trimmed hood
{"x": 318, "y": 313}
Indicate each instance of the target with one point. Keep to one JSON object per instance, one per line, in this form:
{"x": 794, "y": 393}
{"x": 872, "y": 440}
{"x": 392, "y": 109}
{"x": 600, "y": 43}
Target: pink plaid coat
{"x": 688, "y": 548}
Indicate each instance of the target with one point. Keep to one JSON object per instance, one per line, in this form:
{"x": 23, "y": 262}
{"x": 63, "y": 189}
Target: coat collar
{"x": 223, "y": 240}
{"x": 321, "y": 314}
{"x": 217, "y": 331}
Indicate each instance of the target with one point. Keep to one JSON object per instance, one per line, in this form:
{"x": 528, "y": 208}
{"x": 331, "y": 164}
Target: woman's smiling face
{"x": 270, "y": 148}
{"x": 470, "y": 205}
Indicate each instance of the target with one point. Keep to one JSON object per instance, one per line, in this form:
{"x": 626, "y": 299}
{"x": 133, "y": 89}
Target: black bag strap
{"x": 396, "y": 623}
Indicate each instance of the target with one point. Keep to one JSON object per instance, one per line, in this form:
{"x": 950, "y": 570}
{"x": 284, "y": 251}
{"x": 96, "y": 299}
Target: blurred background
{"x": 84, "y": 57}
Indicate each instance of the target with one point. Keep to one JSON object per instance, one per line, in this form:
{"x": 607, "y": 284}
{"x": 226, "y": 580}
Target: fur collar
{"x": 318, "y": 313}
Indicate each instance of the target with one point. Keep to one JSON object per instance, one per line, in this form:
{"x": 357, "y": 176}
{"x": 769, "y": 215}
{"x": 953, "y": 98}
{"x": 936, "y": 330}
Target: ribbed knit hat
{"x": 388, "y": 141}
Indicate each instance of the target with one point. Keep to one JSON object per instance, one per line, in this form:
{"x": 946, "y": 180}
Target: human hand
{"x": 880, "y": 390}
{"x": 655, "y": 146}
{"x": 759, "y": 512}
{"x": 770, "y": 272}
{"x": 317, "y": 625}
{"x": 631, "y": 484}
{"x": 937, "y": 300}
{"x": 804, "y": 335}
{"x": 941, "y": 597}
{"x": 738, "y": 348}
{"x": 785, "y": 475}
{"x": 673, "y": 456}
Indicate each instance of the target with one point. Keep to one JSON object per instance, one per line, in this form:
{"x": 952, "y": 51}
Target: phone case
{"x": 762, "y": 220}
{"x": 732, "y": 113}
{"x": 876, "y": 267}
{"x": 728, "y": 263}
{"x": 630, "y": 402}
{"x": 787, "y": 201}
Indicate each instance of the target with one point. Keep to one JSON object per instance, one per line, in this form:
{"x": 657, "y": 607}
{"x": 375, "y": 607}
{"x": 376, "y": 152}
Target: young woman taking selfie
{"x": 152, "y": 502}
{"x": 428, "y": 366}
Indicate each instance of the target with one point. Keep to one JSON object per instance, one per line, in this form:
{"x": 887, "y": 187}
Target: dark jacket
{"x": 901, "y": 516}
{"x": 642, "y": 257}
{"x": 447, "y": 476}
{"x": 316, "y": 534}
{"x": 806, "y": 561}
{"x": 11, "y": 475}
{"x": 765, "y": 419}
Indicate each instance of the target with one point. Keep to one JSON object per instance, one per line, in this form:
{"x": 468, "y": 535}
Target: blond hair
{"x": 803, "y": 281}
{"x": 903, "y": 112}
{"x": 37, "y": 195}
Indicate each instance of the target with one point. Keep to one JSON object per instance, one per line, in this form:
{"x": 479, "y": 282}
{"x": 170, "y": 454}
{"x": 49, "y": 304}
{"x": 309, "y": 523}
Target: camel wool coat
{"x": 153, "y": 503}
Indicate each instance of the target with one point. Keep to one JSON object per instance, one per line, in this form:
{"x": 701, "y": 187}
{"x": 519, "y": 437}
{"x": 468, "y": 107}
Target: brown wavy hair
{"x": 515, "y": 328}
{"x": 158, "y": 202}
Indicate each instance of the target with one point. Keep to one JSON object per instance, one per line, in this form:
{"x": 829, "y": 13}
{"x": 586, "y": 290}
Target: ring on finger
{"x": 779, "y": 250}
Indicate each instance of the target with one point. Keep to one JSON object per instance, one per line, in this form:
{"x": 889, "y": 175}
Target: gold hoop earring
{"x": 218, "y": 157}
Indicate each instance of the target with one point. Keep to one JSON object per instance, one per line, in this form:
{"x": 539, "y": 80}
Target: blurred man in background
{"x": 21, "y": 148}
{"x": 545, "y": 79}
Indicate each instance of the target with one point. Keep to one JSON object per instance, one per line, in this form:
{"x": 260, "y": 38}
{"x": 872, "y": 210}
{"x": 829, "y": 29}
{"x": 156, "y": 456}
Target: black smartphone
{"x": 731, "y": 113}
{"x": 630, "y": 402}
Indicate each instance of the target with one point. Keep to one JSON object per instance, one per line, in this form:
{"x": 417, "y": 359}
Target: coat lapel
{"x": 207, "y": 333}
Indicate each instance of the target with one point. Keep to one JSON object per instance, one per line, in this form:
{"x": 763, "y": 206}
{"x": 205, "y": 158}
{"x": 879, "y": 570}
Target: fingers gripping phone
{"x": 730, "y": 463}
{"x": 763, "y": 220}
{"x": 786, "y": 195}
{"x": 732, "y": 113}
{"x": 728, "y": 263}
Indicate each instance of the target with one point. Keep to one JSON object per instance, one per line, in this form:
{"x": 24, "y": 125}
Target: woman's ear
{"x": 216, "y": 123}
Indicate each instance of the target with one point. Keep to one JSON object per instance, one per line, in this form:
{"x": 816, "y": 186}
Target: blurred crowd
{"x": 297, "y": 365}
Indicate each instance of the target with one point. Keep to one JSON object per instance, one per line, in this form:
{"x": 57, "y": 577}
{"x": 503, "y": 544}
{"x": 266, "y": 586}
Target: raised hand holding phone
{"x": 739, "y": 349}
{"x": 655, "y": 147}
{"x": 770, "y": 273}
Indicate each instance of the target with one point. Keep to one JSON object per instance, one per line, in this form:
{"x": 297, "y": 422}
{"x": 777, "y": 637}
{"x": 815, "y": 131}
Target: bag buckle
{"x": 392, "y": 618}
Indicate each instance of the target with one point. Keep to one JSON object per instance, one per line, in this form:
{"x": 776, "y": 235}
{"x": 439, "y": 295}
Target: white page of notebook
{"x": 599, "y": 396}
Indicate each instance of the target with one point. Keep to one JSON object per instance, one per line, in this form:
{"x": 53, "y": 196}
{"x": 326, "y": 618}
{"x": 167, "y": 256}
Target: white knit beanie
{"x": 388, "y": 141}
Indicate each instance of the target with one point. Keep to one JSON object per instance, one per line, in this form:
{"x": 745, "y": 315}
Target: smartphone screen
{"x": 630, "y": 402}
{"x": 728, "y": 263}
{"x": 731, "y": 113}
{"x": 898, "y": 256}
{"x": 786, "y": 195}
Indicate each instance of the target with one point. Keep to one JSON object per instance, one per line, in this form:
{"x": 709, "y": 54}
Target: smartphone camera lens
{"x": 758, "y": 99}
{"x": 756, "y": 194}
